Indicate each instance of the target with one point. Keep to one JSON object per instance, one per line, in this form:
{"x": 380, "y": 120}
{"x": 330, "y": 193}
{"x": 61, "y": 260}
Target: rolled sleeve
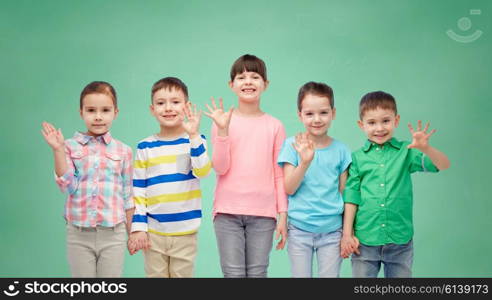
{"x": 421, "y": 162}
{"x": 428, "y": 165}
{"x": 68, "y": 182}
{"x": 351, "y": 193}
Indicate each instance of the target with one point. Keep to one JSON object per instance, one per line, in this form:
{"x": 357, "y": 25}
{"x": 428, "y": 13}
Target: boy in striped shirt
{"x": 166, "y": 184}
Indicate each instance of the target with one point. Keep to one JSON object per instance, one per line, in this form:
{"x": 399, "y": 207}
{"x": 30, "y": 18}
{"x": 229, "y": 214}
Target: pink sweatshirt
{"x": 249, "y": 180}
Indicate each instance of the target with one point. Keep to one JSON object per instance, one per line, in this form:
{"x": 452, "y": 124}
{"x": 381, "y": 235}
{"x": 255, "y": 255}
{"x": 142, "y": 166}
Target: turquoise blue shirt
{"x": 317, "y": 205}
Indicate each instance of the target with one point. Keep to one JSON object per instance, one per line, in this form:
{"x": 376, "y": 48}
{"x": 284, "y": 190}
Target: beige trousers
{"x": 171, "y": 256}
{"x": 96, "y": 251}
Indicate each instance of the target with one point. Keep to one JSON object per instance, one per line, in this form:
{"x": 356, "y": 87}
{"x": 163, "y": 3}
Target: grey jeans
{"x": 244, "y": 244}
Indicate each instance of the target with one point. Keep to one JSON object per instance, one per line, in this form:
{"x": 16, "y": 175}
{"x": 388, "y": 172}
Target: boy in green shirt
{"x": 378, "y": 193}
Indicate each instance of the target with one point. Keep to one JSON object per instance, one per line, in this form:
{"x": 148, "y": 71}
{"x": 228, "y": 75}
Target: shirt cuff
{"x": 138, "y": 226}
{"x": 64, "y": 180}
{"x": 128, "y": 204}
{"x": 197, "y": 141}
{"x": 351, "y": 196}
{"x": 427, "y": 165}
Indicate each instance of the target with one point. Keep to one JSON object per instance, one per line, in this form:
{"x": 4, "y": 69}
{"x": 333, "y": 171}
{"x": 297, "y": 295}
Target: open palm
{"x": 304, "y": 146}
{"x": 420, "y": 138}
{"x": 218, "y": 115}
{"x": 53, "y": 137}
{"x": 191, "y": 123}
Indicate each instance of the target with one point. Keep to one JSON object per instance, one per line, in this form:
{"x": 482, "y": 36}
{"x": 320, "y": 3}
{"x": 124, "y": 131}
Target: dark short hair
{"x": 170, "y": 83}
{"x": 374, "y": 100}
{"x": 315, "y": 88}
{"x": 249, "y": 63}
{"x": 99, "y": 87}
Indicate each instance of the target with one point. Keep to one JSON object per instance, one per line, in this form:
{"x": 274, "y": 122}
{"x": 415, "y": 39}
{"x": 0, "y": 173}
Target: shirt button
{"x": 382, "y": 184}
{"x": 382, "y": 225}
{"x": 382, "y": 205}
{"x": 381, "y": 165}
{"x": 95, "y": 167}
{"x": 377, "y": 149}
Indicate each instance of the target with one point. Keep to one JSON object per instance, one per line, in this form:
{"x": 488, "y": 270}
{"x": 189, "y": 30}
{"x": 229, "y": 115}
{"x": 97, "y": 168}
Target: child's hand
{"x": 217, "y": 114}
{"x": 191, "y": 123}
{"x": 138, "y": 240}
{"x": 420, "y": 138}
{"x": 132, "y": 246}
{"x": 305, "y": 147}
{"x": 53, "y": 137}
{"x": 281, "y": 231}
{"x": 349, "y": 245}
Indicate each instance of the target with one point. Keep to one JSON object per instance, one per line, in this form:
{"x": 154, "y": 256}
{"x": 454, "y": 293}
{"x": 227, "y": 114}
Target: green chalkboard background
{"x": 49, "y": 50}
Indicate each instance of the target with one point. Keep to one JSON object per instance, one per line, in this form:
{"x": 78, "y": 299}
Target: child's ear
{"x": 151, "y": 108}
{"x": 334, "y": 111}
{"x": 361, "y": 125}
{"x": 231, "y": 84}
{"x": 80, "y": 111}
{"x": 397, "y": 120}
{"x": 266, "y": 84}
{"x": 299, "y": 114}
{"x": 116, "y": 111}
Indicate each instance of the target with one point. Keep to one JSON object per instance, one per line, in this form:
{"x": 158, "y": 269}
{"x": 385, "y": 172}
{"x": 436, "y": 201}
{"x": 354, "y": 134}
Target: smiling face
{"x": 379, "y": 124}
{"x": 98, "y": 112}
{"x": 248, "y": 86}
{"x": 168, "y": 107}
{"x": 316, "y": 114}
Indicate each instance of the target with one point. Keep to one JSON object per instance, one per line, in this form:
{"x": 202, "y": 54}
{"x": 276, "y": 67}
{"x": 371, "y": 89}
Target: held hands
{"x": 137, "y": 241}
{"x": 420, "y": 138}
{"x": 191, "y": 122}
{"x": 53, "y": 137}
{"x": 349, "y": 245}
{"x": 305, "y": 147}
{"x": 218, "y": 115}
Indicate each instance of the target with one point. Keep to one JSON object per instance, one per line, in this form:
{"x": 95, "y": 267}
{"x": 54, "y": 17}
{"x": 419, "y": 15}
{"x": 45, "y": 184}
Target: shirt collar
{"x": 83, "y": 138}
{"x": 393, "y": 142}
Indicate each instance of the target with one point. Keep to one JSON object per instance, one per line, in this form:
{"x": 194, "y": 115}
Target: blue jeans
{"x": 244, "y": 244}
{"x": 302, "y": 245}
{"x": 397, "y": 260}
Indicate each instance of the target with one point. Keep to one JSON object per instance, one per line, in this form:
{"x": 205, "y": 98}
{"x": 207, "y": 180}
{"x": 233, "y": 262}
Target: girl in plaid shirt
{"x": 94, "y": 170}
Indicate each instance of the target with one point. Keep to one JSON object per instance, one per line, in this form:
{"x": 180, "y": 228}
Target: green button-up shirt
{"x": 380, "y": 184}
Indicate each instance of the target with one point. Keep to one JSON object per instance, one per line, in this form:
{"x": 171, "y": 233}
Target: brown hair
{"x": 170, "y": 83}
{"x": 374, "y": 100}
{"x": 99, "y": 87}
{"x": 249, "y": 63}
{"x": 315, "y": 88}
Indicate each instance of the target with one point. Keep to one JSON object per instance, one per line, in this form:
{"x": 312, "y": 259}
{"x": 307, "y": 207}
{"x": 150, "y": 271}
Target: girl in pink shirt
{"x": 249, "y": 194}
